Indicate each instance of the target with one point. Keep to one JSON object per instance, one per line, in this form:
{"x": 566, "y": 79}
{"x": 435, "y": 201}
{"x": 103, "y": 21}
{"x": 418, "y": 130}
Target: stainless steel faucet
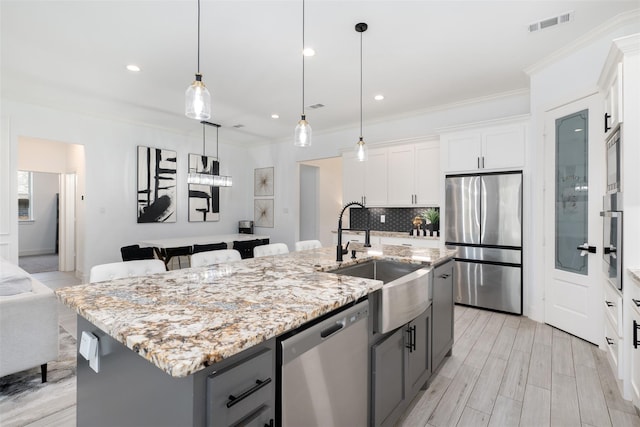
{"x": 367, "y": 236}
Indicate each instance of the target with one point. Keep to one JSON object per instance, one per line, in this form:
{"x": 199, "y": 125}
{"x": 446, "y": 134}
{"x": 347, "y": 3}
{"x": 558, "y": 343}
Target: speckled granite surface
{"x": 185, "y": 320}
{"x": 635, "y": 273}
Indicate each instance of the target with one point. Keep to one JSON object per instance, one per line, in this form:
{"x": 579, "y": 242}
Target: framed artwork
{"x": 263, "y": 213}
{"x": 263, "y": 182}
{"x": 157, "y": 173}
{"x": 204, "y": 200}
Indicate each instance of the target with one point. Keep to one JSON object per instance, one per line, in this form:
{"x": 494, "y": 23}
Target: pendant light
{"x": 197, "y": 103}
{"x": 361, "y": 149}
{"x": 302, "y": 134}
{"x": 209, "y": 178}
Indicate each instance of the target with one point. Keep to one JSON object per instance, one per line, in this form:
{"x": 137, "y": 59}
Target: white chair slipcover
{"x": 201, "y": 259}
{"x": 117, "y": 270}
{"x": 271, "y": 249}
{"x": 304, "y": 245}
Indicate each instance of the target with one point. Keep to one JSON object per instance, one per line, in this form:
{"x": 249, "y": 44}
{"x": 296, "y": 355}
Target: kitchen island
{"x": 163, "y": 337}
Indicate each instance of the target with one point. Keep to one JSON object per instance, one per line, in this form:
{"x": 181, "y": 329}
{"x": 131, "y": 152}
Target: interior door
{"x": 574, "y": 186}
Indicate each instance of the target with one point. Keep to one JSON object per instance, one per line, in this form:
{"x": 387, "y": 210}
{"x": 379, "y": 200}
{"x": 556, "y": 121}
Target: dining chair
{"x": 270, "y": 249}
{"x": 208, "y": 247}
{"x": 118, "y": 270}
{"x": 135, "y": 252}
{"x": 202, "y": 259}
{"x": 245, "y": 247}
{"x": 304, "y": 245}
{"x": 176, "y": 252}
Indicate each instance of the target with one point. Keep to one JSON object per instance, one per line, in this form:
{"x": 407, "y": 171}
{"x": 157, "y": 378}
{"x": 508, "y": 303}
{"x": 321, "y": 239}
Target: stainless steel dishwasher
{"x": 324, "y": 372}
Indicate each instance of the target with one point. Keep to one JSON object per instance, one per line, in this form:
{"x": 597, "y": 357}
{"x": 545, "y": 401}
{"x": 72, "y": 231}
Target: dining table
{"x": 160, "y": 246}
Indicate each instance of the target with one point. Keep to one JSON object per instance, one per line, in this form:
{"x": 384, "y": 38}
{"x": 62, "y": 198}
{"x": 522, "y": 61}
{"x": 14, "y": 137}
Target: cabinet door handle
{"x": 235, "y": 399}
{"x": 636, "y": 326}
{"x": 413, "y": 341}
{"x": 270, "y": 423}
{"x": 607, "y": 116}
{"x": 478, "y": 162}
{"x": 444, "y": 276}
{"x": 409, "y": 344}
{"x": 609, "y": 303}
{"x": 482, "y": 162}
{"x": 636, "y": 302}
{"x": 609, "y": 341}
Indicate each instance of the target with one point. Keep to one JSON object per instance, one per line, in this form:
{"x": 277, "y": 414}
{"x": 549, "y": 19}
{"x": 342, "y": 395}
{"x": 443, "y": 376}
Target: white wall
{"x": 330, "y": 202}
{"x": 38, "y": 237}
{"x": 571, "y": 77}
{"x": 109, "y": 191}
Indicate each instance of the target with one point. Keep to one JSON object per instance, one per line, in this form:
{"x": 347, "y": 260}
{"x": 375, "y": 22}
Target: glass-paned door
{"x": 572, "y": 191}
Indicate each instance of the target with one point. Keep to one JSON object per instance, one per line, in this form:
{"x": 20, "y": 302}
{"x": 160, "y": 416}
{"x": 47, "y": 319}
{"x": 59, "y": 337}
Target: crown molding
{"x": 630, "y": 17}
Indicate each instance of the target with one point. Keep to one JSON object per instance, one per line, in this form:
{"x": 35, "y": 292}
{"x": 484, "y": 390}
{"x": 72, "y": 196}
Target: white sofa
{"x": 28, "y": 322}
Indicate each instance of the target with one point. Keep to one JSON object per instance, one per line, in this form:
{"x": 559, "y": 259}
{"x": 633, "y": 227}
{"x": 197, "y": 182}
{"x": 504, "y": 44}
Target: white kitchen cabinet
{"x": 612, "y": 98}
{"x": 365, "y": 182}
{"x": 489, "y": 146}
{"x": 413, "y": 174}
{"x": 634, "y": 333}
{"x": 410, "y": 241}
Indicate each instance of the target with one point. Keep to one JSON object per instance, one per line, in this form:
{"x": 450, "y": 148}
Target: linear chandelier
{"x": 209, "y": 179}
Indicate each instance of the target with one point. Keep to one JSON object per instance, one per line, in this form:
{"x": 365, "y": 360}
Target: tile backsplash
{"x": 396, "y": 219}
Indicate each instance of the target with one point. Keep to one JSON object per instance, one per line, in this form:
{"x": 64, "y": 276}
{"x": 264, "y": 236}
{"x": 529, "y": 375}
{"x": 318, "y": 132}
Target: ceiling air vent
{"x": 550, "y": 22}
{"x": 315, "y": 106}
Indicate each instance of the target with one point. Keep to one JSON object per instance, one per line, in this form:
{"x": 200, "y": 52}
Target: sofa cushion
{"x": 13, "y": 279}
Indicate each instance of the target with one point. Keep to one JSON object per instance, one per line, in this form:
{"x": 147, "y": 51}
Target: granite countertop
{"x": 185, "y": 320}
{"x": 635, "y": 274}
{"x": 400, "y": 234}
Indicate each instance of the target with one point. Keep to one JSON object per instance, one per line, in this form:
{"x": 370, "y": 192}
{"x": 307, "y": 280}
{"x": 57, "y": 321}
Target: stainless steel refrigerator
{"x": 483, "y": 220}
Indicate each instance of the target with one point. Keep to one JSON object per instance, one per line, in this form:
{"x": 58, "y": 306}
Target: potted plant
{"x": 432, "y": 217}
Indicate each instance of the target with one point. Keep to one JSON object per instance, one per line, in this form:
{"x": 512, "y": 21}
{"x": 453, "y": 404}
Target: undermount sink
{"x": 406, "y": 292}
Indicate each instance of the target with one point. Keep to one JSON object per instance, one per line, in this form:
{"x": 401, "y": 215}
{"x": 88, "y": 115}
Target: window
{"x": 25, "y": 189}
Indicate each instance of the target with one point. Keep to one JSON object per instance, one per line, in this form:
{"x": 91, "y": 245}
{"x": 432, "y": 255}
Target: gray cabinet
{"x": 400, "y": 366}
{"x": 242, "y": 394}
{"x": 418, "y": 352}
{"x": 442, "y": 313}
{"x": 388, "y": 378}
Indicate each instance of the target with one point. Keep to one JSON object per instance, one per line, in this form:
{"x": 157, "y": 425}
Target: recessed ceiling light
{"x": 132, "y": 67}
{"x": 378, "y": 97}
{"x": 308, "y": 51}
{"x": 275, "y": 116}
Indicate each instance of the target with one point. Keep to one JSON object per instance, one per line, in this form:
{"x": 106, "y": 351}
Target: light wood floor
{"x": 504, "y": 371}
{"x": 511, "y": 371}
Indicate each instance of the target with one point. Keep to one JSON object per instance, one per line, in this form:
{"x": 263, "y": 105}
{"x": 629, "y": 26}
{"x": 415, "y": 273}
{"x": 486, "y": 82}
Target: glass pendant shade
{"x": 302, "y": 134}
{"x": 198, "y": 100}
{"x": 361, "y": 150}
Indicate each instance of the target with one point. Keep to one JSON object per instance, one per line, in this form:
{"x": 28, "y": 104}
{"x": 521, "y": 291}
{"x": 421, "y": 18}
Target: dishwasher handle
{"x": 332, "y": 329}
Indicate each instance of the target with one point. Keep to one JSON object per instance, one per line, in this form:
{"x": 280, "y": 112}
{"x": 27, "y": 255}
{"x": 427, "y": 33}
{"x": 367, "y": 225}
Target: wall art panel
{"x": 157, "y": 172}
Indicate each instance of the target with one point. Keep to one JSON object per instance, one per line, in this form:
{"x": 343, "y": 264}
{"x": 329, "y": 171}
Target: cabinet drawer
{"x": 242, "y": 393}
{"x": 614, "y": 345}
{"x": 613, "y": 308}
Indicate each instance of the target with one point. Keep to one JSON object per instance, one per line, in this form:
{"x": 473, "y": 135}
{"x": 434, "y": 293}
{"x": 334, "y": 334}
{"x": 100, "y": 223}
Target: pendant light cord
{"x": 217, "y": 156}
{"x": 198, "y": 36}
{"x": 361, "y": 85}
{"x": 303, "y": 57}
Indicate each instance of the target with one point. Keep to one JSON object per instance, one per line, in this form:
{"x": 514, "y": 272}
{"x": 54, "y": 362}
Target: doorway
{"x": 574, "y": 186}
{"x": 320, "y": 199}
